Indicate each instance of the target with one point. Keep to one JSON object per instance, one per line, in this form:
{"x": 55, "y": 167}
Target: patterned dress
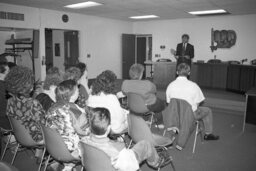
{"x": 29, "y": 112}
{"x": 62, "y": 117}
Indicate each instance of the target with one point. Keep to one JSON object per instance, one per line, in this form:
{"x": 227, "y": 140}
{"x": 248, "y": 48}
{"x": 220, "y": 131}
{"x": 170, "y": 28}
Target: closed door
{"x": 128, "y": 53}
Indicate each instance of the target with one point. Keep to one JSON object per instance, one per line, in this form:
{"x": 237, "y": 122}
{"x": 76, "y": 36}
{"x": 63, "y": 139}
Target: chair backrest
{"x": 136, "y": 103}
{"x": 7, "y": 167}
{"x": 95, "y": 159}
{"x": 55, "y": 145}
{"x": 21, "y": 134}
{"x": 139, "y": 130}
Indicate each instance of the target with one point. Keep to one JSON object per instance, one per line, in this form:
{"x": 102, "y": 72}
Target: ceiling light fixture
{"x": 83, "y": 5}
{"x": 144, "y": 17}
{"x": 208, "y": 12}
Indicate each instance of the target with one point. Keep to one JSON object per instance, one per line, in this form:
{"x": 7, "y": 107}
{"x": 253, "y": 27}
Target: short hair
{"x": 183, "y": 69}
{"x": 65, "y": 90}
{"x": 105, "y": 82}
{"x": 82, "y": 66}
{"x": 11, "y": 64}
{"x": 20, "y": 81}
{"x": 53, "y": 71}
{"x": 72, "y": 73}
{"x": 99, "y": 121}
{"x": 136, "y": 70}
{"x": 185, "y": 35}
{"x": 51, "y": 80}
{"x": 3, "y": 67}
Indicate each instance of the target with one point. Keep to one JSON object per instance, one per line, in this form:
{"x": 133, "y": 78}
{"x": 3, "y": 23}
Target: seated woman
{"x": 65, "y": 116}
{"x": 102, "y": 95}
{"x": 74, "y": 73}
{"x": 19, "y": 83}
{"x": 4, "y": 122}
{"x": 84, "y": 78}
{"x": 143, "y": 87}
{"x": 47, "y": 97}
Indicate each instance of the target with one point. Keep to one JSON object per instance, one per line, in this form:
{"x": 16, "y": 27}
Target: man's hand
{"x": 173, "y": 52}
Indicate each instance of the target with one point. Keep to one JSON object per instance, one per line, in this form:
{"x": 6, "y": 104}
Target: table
{"x": 250, "y": 111}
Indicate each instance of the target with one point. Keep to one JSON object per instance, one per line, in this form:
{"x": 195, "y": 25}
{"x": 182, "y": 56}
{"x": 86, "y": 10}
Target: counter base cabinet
{"x": 241, "y": 78}
{"x": 212, "y": 75}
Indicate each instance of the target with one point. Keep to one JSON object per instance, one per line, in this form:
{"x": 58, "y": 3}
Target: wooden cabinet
{"x": 241, "y": 78}
{"x": 211, "y": 75}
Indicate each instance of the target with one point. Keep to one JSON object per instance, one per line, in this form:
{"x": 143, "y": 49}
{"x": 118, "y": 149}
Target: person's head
{"x": 183, "y": 69}
{"x": 4, "y": 69}
{"x": 100, "y": 121}
{"x": 53, "y": 71}
{"x": 82, "y": 67}
{"x": 105, "y": 82}
{"x": 51, "y": 82}
{"x": 20, "y": 81}
{"x": 136, "y": 71}
{"x": 185, "y": 38}
{"x": 11, "y": 65}
{"x": 72, "y": 73}
{"x": 67, "y": 91}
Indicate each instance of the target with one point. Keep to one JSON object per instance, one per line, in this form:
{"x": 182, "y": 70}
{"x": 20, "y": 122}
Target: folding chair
{"x": 7, "y": 167}
{"x": 139, "y": 130}
{"x": 91, "y": 157}
{"x": 136, "y": 104}
{"x": 24, "y": 139}
{"x": 56, "y": 148}
{"x": 8, "y": 134}
{"x": 198, "y": 131}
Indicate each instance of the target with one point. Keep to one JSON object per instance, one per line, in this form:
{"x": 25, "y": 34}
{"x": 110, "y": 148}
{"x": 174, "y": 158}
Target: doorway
{"x": 61, "y": 48}
{"x": 135, "y": 49}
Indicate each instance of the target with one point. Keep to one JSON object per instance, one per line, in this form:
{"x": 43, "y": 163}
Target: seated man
{"x": 143, "y": 87}
{"x": 143, "y": 150}
{"x": 184, "y": 89}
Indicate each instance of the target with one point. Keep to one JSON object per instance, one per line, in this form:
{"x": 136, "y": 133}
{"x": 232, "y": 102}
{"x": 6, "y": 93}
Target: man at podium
{"x": 184, "y": 51}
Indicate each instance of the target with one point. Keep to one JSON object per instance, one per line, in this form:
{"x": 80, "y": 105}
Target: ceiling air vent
{"x": 11, "y": 16}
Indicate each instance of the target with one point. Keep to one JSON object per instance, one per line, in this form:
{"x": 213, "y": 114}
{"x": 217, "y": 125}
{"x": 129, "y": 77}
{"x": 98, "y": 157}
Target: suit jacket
{"x": 189, "y": 51}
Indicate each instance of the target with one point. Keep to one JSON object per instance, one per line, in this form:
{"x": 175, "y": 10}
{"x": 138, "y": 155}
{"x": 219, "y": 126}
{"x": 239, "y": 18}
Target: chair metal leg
{"x": 173, "y": 168}
{"x": 46, "y": 163}
{"x": 6, "y": 146}
{"x": 15, "y": 153}
{"x": 197, "y": 131}
{"x": 42, "y": 158}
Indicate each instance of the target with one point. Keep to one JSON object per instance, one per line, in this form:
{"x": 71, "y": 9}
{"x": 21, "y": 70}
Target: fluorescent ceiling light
{"x": 83, "y": 5}
{"x": 218, "y": 11}
{"x": 144, "y": 17}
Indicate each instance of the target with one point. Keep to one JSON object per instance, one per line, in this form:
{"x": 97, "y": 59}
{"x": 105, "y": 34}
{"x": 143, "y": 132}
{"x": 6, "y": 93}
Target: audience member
{"x": 47, "y": 97}
{"x": 74, "y": 73}
{"x": 84, "y": 78}
{"x": 122, "y": 158}
{"x": 184, "y": 89}
{"x": 145, "y": 88}
{"x": 4, "y": 122}
{"x": 69, "y": 120}
{"x": 102, "y": 95}
{"x": 19, "y": 83}
{"x": 54, "y": 71}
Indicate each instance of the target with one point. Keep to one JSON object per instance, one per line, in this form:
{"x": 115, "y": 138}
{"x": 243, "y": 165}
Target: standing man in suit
{"x": 184, "y": 52}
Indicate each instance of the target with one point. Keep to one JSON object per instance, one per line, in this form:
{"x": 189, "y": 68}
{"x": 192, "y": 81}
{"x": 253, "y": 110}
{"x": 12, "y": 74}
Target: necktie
{"x": 183, "y": 49}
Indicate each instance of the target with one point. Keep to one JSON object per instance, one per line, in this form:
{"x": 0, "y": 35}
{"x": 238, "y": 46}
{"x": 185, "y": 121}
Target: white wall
{"x": 99, "y": 37}
{"x": 58, "y": 37}
{"x": 168, "y": 33}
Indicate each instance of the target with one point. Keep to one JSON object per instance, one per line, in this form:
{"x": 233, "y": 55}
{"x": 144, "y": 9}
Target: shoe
{"x": 211, "y": 137}
{"x": 164, "y": 159}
